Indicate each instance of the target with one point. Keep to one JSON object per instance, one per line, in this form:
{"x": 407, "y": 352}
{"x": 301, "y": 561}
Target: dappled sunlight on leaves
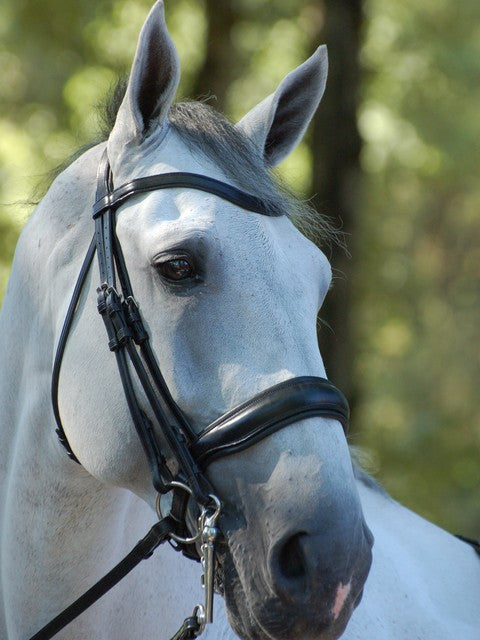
{"x": 418, "y": 299}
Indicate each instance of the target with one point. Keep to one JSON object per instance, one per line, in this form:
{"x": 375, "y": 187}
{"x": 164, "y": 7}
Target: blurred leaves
{"x": 417, "y": 253}
{"x": 418, "y": 294}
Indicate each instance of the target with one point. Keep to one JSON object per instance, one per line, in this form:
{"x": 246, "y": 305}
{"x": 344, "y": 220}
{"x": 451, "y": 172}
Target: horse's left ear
{"x": 152, "y": 84}
{"x": 277, "y": 124}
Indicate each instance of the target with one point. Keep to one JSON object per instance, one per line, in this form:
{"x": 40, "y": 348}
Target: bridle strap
{"x": 141, "y": 338}
{"x": 144, "y": 548}
{"x": 67, "y": 324}
{"x": 125, "y": 331}
{"x": 182, "y": 179}
{"x": 273, "y": 409}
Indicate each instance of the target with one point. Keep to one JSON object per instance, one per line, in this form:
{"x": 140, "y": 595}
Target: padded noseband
{"x": 287, "y": 402}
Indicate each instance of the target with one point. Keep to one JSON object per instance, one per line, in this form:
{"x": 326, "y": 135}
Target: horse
{"x": 227, "y": 291}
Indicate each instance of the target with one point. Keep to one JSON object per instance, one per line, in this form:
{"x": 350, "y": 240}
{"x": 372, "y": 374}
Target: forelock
{"x": 206, "y": 130}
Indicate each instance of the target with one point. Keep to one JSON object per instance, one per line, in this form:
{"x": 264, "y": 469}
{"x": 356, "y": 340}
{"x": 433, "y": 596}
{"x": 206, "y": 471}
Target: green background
{"x": 414, "y": 260}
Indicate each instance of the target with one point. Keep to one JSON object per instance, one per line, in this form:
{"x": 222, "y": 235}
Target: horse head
{"x": 230, "y": 300}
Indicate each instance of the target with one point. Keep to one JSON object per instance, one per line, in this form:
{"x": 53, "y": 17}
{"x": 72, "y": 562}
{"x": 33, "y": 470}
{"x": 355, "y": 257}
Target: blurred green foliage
{"x": 417, "y": 253}
{"x": 418, "y": 263}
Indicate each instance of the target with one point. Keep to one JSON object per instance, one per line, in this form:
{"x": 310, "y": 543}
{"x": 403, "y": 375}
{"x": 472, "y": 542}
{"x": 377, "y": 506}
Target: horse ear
{"x": 277, "y": 124}
{"x": 152, "y": 84}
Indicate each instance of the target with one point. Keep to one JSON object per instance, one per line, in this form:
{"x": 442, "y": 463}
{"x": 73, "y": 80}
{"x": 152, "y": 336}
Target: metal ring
{"x": 199, "y": 613}
{"x": 218, "y": 506}
{"x": 133, "y": 301}
{"x": 174, "y": 536}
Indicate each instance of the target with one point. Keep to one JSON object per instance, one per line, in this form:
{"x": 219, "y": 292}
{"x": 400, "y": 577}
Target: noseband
{"x": 179, "y": 464}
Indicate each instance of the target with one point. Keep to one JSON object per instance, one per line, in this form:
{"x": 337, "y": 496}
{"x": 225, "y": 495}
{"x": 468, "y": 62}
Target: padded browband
{"x": 290, "y": 401}
{"x": 186, "y": 181}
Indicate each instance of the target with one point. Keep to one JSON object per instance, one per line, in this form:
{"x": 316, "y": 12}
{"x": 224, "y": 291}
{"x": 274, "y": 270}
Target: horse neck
{"x": 46, "y": 257}
{"x": 46, "y": 498}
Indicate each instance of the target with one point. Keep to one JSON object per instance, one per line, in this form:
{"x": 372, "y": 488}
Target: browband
{"x": 287, "y": 402}
{"x": 184, "y": 180}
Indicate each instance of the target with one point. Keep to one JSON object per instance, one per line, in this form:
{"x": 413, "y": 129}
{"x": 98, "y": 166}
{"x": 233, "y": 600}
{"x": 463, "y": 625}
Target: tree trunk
{"x": 336, "y": 147}
{"x": 220, "y": 66}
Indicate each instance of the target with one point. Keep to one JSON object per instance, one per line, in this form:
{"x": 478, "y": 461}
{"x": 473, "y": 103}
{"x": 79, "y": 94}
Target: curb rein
{"x": 181, "y": 474}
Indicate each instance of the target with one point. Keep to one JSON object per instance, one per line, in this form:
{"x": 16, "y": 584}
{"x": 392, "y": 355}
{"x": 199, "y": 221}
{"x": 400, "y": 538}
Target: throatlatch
{"x": 178, "y": 464}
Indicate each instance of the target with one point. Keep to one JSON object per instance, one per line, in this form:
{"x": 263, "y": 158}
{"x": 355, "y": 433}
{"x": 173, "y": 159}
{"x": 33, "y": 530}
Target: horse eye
{"x": 176, "y": 269}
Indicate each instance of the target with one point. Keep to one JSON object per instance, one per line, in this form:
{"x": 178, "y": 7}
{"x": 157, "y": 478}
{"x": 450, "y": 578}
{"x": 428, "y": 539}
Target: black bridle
{"x": 187, "y": 454}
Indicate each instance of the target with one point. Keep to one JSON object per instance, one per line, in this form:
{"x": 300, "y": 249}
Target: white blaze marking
{"x": 342, "y": 594}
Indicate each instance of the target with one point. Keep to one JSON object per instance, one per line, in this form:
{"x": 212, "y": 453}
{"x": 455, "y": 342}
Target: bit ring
{"x": 181, "y": 485}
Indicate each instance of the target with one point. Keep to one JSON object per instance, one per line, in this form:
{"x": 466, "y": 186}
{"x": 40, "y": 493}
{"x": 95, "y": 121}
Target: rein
{"x": 178, "y": 467}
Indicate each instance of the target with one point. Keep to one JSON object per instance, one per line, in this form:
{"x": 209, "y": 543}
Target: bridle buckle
{"x": 207, "y": 534}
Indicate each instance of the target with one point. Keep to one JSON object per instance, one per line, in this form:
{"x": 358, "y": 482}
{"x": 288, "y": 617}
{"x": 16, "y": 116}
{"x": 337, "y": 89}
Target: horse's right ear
{"x": 276, "y": 125}
{"x": 151, "y": 87}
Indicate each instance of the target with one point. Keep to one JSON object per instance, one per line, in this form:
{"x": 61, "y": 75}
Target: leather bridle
{"x": 179, "y": 465}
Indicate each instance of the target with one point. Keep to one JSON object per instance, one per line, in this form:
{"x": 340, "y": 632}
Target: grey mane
{"x": 360, "y": 462}
{"x": 209, "y": 132}
{"x": 368, "y": 480}
{"x": 206, "y": 130}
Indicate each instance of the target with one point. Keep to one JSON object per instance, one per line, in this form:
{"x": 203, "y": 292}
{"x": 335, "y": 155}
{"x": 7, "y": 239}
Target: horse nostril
{"x": 291, "y": 560}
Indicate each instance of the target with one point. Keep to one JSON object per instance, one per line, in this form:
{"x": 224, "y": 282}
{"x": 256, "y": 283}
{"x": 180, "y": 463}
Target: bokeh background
{"x": 393, "y": 157}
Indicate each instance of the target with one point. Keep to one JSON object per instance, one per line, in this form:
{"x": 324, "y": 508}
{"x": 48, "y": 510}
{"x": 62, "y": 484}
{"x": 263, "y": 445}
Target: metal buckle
{"x": 131, "y": 299}
{"x": 207, "y": 525}
{"x": 207, "y": 534}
